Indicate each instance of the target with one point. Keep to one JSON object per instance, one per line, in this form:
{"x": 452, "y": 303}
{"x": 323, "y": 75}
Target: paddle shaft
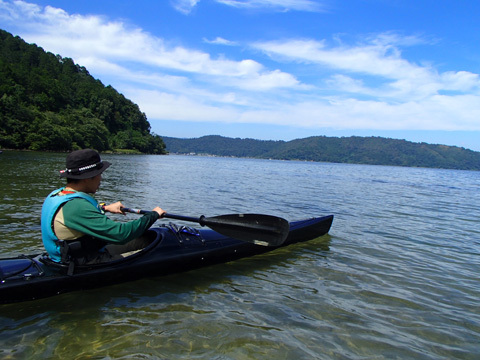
{"x": 170, "y": 216}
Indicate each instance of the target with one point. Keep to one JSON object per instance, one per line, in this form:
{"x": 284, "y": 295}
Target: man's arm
{"x": 81, "y": 215}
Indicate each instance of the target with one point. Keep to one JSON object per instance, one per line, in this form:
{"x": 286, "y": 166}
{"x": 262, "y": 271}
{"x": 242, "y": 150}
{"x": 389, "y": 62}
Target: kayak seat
{"x": 132, "y": 247}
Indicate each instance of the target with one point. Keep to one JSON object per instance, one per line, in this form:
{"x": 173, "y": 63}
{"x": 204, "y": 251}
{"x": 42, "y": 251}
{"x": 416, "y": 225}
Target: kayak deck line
{"x": 171, "y": 249}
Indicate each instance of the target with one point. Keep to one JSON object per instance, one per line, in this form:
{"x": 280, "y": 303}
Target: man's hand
{"x": 115, "y": 208}
{"x": 160, "y": 211}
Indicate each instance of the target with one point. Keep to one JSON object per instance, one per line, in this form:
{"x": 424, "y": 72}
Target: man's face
{"x": 93, "y": 184}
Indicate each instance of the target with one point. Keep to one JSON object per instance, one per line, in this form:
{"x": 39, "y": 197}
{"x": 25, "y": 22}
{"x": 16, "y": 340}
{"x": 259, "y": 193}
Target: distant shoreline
{"x": 350, "y": 150}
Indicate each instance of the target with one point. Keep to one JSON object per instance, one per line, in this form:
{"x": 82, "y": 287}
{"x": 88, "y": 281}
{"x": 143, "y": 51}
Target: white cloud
{"x": 184, "y": 6}
{"x": 394, "y": 77}
{"x": 282, "y": 5}
{"x": 344, "y": 83}
{"x": 10, "y": 11}
{"x": 372, "y": 59}
{"x": 124, "y": 74}
{"x": 460, "y": 81}
{"x": 162, "y": 105}
{"x": 342, "y": 114}
{"x": 266, "y": 81}
{"x": 220, "y": 41}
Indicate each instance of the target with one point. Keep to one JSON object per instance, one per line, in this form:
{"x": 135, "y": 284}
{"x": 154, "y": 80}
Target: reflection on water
{"x": 396, "y": 278}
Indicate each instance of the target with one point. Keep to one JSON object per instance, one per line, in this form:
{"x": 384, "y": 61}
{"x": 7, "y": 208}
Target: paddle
{"x": 265, "y": 230}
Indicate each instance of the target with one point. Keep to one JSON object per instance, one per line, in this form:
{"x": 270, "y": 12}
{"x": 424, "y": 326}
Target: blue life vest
{"x": 49, "y": 209}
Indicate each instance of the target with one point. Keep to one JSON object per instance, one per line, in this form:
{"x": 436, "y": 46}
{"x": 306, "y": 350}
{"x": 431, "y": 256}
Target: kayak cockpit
{"x": 149, "y": 240}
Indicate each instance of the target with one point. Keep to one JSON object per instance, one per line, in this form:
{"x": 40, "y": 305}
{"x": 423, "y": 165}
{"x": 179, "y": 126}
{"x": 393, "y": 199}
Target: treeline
{"x": 354, "y": 150}
{"x": 50, "y": 103}
{"x": 222, "y": 146}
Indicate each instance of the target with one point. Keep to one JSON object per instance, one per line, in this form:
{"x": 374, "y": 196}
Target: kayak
{"x": 171, "y": 249}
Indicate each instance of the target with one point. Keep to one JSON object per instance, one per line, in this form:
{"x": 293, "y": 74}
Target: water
{"x": 397, "y": 278}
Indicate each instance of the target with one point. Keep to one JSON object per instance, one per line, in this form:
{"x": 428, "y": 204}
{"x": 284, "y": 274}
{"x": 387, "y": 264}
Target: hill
{"x": 221, "y": 146}
{"x": 355, "y": 150}
{"x": 50, "y": 103}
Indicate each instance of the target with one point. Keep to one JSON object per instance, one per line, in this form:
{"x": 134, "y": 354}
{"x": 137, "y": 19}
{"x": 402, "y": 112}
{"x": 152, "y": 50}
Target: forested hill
{"x": 50, "y": 103}
{"x": 355, "y": 150}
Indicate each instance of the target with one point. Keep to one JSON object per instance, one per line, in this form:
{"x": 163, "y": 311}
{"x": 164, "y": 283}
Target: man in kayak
{"x": 74, "y": 225}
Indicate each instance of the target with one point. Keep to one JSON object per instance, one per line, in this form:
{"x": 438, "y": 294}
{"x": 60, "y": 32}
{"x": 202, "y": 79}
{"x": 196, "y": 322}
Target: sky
{"x": 276, "y": 69}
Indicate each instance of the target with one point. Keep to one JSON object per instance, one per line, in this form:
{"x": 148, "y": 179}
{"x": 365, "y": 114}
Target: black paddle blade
{"x": 259, "y": 229}
{"x": 265, "y": 230}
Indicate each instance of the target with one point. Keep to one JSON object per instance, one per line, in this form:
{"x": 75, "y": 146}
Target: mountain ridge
{"x": 353, "y": 150}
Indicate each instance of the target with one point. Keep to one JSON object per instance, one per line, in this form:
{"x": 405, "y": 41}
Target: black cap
{"x": 84, "y": 164}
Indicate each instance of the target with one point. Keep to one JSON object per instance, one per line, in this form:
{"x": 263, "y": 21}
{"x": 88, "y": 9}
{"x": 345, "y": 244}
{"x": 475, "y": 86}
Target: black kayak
{"x": 172, "y": 249}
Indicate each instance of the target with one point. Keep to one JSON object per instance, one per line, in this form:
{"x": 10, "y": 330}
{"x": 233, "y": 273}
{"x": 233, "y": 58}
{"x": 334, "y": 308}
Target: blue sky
{"x": 276, "y": 69}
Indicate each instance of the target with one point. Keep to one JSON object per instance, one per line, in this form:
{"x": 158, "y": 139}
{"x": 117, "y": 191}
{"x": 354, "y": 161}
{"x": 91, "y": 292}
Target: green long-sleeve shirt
{"x": 78, "y": 217}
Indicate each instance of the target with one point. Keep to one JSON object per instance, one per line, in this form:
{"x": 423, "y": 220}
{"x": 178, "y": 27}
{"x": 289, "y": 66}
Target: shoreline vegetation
{"x": 114, "y": 151}
{"x": 49, "y": 103}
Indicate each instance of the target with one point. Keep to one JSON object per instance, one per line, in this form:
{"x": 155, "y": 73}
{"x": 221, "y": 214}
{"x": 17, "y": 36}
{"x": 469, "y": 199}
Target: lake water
{"x": 398, "y": 277}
